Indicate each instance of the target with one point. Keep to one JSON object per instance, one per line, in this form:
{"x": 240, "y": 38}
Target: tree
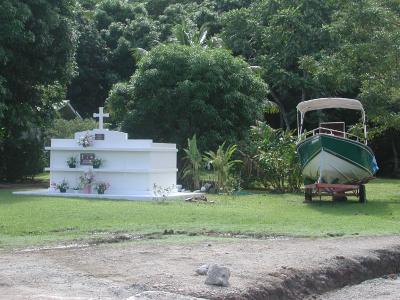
{"x": 178, "y": 91}
{"x": 117, "y": 102}
{"x": 37, "y": 46}
{"x": 187, "y": 36}
{"x": 275, "y": 35}
{"x": 363, "y": 63}
{"x": 109, "y": 34}
{"x": 90, "y": 87}
{"x": 190, "y": 37}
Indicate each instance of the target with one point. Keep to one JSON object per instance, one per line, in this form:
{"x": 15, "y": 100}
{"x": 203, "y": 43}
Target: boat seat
{"x": 337, "y": 128}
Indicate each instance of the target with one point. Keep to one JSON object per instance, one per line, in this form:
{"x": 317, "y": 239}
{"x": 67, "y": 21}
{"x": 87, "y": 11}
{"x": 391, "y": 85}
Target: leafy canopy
{"x": 178, "y": 91}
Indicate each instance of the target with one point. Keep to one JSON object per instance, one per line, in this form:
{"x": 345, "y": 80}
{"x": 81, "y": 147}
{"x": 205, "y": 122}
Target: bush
{"x": 23, "y": 158}
{"x": 65, "y": 129}
{"x": 222, "y": 163}
{"x": 277, "y": 158}
{"x": 193, "y": 163}
{"x": 178, "y": 91}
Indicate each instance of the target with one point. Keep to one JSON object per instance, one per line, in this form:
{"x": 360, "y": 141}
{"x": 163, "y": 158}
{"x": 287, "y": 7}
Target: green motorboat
{"x": 328, "y": 153}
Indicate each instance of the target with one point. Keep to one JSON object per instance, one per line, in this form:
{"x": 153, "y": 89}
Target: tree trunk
{"x": 281, "y": 109}
{"x": 396, "y": 170}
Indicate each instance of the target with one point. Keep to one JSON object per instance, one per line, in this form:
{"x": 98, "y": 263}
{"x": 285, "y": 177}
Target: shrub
{"x": 277, "y": 157}
{"x": 193, "y": 163}
{"x": 66, "y": 128}
{"x": 222, "y": 163}
{"x": 178, "y": 91}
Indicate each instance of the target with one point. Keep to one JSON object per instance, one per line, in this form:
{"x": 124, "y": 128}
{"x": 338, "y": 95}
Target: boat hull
{"x": 335, "y": 160}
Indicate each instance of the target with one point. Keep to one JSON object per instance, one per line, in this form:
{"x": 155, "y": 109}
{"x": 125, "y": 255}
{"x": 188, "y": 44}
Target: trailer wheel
{"x": 307, "y": 195}
{"x": 362, "y": 194}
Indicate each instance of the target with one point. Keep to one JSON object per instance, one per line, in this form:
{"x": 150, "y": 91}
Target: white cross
{"x": 101, "y": 115}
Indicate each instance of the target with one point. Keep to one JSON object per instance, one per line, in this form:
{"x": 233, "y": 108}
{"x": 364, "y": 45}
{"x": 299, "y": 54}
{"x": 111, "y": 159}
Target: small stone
{"x": 218, "y": 275}
{"x": 202, "y": 270}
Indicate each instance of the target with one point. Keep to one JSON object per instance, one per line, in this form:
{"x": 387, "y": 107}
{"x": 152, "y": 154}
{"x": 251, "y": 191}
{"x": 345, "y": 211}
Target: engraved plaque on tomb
{"x": 87, "y": 159}
{"x": 99, "y": 136}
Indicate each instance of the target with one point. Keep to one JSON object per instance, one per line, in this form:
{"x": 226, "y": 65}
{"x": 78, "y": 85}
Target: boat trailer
{"x": 337, "y": 191}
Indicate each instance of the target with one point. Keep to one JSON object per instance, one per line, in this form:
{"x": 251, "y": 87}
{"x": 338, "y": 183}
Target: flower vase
{"x": 87, "y": 189}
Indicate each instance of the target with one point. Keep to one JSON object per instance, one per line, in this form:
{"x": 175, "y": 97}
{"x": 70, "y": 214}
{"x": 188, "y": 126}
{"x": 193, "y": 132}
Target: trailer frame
{"x": 338, "y": 191}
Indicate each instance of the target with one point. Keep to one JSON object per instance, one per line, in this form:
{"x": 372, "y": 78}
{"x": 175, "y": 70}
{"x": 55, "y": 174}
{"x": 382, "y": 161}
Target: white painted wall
{"x": 130, "y": 166}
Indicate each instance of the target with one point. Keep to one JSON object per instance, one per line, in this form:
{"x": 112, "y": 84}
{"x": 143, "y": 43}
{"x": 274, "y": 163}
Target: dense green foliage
{"x": 276, "y": 157}
{"x": 178, "y": 91}
{"x": 275, "y": 35}
{"x": 193, "y": 164}
{"x": 301, "y": 49}
{"x": 30, "y": 220}
{"x": 65, "y": 129}
{"x": 363, "y": 63}
{"x": 222, "y": 163}
{"x": 37, "y": 44}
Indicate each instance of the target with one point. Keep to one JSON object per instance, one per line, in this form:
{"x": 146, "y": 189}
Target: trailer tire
{"x": 362, "y": 194}
{"x": 307, "y": 195}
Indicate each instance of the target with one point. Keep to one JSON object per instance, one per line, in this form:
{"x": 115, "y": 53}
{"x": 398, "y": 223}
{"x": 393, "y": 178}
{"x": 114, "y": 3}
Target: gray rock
{"x": 206, "y": 187}
{"x": 218, "y": 275}
{"x": 158, "y": 295}
{"x": 202, "y": 270}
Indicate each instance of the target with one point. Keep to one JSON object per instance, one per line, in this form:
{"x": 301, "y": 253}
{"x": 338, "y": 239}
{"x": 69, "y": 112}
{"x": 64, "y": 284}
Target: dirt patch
{"x": 291, "y": 268}
{"x": 386, "y": 288}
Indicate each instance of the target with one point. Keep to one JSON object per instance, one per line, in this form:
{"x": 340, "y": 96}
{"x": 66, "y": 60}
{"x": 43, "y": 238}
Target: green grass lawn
{"x": 31, "y": 220}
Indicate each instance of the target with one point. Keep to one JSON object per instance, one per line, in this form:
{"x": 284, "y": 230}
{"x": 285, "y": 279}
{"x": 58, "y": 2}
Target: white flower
{"x": 86, "y": 140}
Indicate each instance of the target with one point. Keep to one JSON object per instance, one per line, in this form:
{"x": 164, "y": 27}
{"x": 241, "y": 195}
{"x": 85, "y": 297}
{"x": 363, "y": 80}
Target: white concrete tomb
{"x": 131, "y": 167}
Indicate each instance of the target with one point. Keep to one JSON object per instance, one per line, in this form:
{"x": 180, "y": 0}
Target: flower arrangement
{"x": 97, "y": 163}
{"x": 86, "y": 140}
{"x": 63, "y": 186}
{"x": 101, "y": 187}
{"x": 87, "y": 178}
{"x": 71, "y": 161}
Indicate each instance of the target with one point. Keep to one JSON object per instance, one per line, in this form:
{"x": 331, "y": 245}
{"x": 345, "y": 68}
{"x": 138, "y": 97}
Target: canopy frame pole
{"x": 301, "y": 122}
{"x": 364, "y": 127}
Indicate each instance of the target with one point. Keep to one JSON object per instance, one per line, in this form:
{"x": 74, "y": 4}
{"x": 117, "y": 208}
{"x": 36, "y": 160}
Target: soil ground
{"x": 121, "y": 270}
{"x": 375, "y": 289}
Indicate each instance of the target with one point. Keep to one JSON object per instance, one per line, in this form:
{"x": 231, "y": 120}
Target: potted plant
{"x": 76, "y": 189}
{"x": 101, "y": 187}
{"x": 86, "y": 140}
{"x": 97, "y": 163}
{"x": 86, "y": 181}
{"x": 63, "y": 186}
{"x": 53, "y": 187}
{"x": 71, "y": 161}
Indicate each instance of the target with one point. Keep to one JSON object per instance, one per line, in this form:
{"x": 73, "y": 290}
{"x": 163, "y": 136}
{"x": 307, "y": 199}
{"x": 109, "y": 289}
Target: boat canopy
{"x": 323, "y": 103}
